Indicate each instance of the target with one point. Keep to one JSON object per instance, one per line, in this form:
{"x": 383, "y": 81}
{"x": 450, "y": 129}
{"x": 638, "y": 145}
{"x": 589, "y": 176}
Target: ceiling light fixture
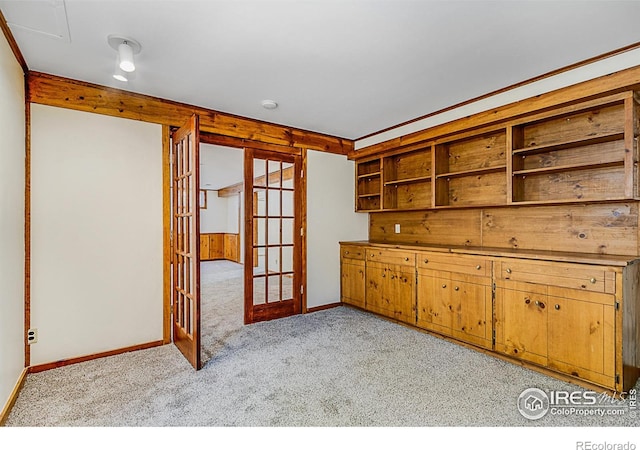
{"x": 120, "y": 74}
{"x": 269, "y": 104}
{"x": 126, "y": 48}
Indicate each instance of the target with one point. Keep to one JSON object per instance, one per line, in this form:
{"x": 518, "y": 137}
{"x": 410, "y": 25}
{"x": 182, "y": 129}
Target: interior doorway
{"x": 221, "y": 245}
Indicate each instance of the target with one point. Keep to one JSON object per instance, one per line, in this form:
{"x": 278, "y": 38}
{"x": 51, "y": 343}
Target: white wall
{"x": 568, "y": 78}
{"x": 213, "y": 219}
{"x": 96, "y": 233}
{"x": 12, "y": 153}
{"x": 330, "y": 219}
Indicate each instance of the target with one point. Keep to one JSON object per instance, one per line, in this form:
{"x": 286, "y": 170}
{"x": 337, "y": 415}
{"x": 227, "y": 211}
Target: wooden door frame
{"x": 226, "y": 141}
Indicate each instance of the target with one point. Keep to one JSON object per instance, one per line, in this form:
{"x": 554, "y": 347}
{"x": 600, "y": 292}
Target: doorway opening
{"x": 221, "y": 245}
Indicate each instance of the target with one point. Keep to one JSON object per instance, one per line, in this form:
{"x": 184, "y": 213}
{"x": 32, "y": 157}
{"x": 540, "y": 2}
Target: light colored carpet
{"x": 338, "y": 367}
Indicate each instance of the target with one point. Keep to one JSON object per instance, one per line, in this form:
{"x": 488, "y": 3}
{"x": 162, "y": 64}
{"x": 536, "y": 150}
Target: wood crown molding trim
{"x": 510, "y": 87}
{"x": 62, "y": 92}
{"x": 13, "y": 44}
{"x": 13, "y": 396}
{"x": 68, "y": 362}
{"x": 627, "y": 79}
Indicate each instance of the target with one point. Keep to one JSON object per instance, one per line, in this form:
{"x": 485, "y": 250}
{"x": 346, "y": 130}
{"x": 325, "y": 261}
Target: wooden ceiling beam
{"x": 62, "y": 92}
{"x": 274, "y": 177}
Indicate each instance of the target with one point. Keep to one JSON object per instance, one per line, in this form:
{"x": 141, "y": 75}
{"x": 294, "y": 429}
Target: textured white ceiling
{"x": 346, "y": 68}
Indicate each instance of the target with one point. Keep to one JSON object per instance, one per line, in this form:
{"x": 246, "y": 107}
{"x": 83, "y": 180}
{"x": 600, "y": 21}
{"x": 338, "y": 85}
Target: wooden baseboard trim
{"x": 323, "y": 307}
{"x": 68, "y": 362}
{"x": 13, "y": 397}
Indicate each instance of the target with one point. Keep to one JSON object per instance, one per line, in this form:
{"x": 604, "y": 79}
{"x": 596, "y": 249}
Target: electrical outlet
{"x": 32, "y": 336}
{"x": 397, "y": 228}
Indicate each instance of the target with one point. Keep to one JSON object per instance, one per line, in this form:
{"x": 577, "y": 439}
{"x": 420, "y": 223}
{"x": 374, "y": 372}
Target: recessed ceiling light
{"x": 269, "y": 104}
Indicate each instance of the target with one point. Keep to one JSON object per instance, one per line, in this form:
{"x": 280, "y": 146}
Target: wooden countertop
{"x": 582, "y": 258}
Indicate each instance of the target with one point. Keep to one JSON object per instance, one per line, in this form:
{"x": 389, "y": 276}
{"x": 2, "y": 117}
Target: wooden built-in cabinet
{"x": 454, "y": 296}
{"x": 583, "y": 152}
{"x": 215, "y": 246}
{"x": 574, "y": 315}
{"x": 390, "y": 283}
{"x": 352, "y": 274}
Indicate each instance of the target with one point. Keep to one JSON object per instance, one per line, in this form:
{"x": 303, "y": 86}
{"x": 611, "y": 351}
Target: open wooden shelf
{"x": 407, "y": 180}
{"x": 369, "y": 175}
{"x": 568, "y": 167}
{"x": 573, "y": 143}
{"x": 471, "y": 172}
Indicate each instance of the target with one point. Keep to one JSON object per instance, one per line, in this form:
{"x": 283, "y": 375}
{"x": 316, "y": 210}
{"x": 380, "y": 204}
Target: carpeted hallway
{"x": 338, "y": 367}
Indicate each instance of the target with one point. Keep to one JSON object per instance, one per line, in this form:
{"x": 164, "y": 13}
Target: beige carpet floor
{"x": 336, "y": 368}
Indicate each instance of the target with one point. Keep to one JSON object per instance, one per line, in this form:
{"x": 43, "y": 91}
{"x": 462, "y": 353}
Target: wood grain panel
{"x": 476, "y": 153}
{"x": 447, "y": 227}
{"x": 591, "y": 228}
{"x": 606, "y": 152}
{"x": 66, "y": 93}
{"x": 486, "y": 189}
{"x": 579, "y": 185}
{"x": 593, "y": 123}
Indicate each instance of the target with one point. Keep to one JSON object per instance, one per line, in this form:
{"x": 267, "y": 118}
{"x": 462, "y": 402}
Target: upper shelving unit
{"x": 471, "y": 171}
{"x": 577, "y": 153}
{"x": 575, "y": 156}
{"x": 407, "y": 180}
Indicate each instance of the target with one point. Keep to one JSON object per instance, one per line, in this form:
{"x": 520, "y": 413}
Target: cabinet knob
{"x": 557, "y": 307}
{"x": 456, "y": 288}
{"x": 372, "y": 255}
{"x": 478, "y": 267}
{"x": 426, "y": 261}
{"x": 346, "y": 253}
{"x": 527, "y": 300}
{"x": 592, "y": 281}
{"x": 537, "y": 303}
{"x": 508, "y": 270}
{"x": 406, "y": 259}
{"x": 541, "y": 305}
{"x": 444, "y": 286}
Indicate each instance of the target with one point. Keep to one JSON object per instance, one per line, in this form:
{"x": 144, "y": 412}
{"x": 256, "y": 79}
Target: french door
{"x": 185, "y": 212}
{"x": 273, "y": 256}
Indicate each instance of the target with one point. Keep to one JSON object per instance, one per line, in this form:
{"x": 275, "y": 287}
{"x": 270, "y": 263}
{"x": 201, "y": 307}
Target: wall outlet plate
{"x": 32, "y": 336}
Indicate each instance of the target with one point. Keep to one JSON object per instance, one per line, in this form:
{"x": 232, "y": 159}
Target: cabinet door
{"x": 455, "y": 308}
{"x": 376, "y": 276}
{"x": 400, "y": 294}
{"x": 582, "y": 339}
{"x": 353, "y": 282}
{"x": 434, "y": 303}
{"x": 470, "y": 305}
{"x": 390, "y": 291}
{"x": 521, "y": 324}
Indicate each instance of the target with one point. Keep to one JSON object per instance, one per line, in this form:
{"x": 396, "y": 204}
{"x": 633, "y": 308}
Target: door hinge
{"x": 301, "y": 231}
{"x": 301, "y": 290}
{"x": 617, "y": 306}
{"x": 302, "y": 174}
{"x": 617, "y": 378}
